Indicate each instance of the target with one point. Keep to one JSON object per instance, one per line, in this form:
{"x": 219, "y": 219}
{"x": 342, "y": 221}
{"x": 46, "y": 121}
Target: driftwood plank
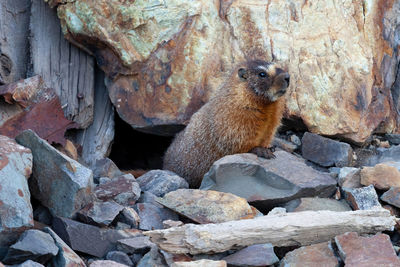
{"x": 64, "y": 67}
{"x": 14, "y": 42}
{"x": 297, "y": 228}
{"x": 97, "y": 138}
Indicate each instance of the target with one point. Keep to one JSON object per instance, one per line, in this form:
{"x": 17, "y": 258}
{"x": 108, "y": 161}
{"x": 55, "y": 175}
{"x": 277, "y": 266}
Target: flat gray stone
{"x": 349, "y": 177}
{"x": 16, "y": 212}
{"x": 34, "y": 245}
{"x": 60, "y": 183}
{"x": 392, "y": 196}
{"x": 124, "y": 190}
{"x": 130, "y": 217}
{"x": 106, "y": 168}
{"x": 139, "y": 244}
{"x": 28, "y": 263}
{"x": 66, "y": 257}
{"x": 326, "y": 152}
{"x": 160, "y": 182}
{"x": 255, "y": 255}
{"x": 90, "y": 239}
{"x": 371, "y": 157}
{"x": 316, "y": 204}
{"x": 265, "y": 183}
{"x": 120, "y": 257}
{"x": 152, "y": 258}
{"x": 363, "y": 198}
{"x": 151, "y": 216}
{"x": 100, "y": 213}
{"x": 106, "y": 263}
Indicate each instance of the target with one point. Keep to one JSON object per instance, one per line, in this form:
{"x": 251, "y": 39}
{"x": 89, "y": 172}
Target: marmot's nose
{"x": 287, "y": 78}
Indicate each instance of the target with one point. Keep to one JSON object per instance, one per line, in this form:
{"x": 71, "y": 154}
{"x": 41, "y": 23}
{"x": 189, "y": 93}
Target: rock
{"x": 363, "y": 198}
{"x": 349, "y": 177}
{"x": 372, "y": 157}
{"x": 103, "y": 180}
{"x": 66, "y": 186}
{"x": 147, "y": 197}
{"x": 130, "y": 217}
{"x": 316, "y": 204}
{"x": 393, "y": 138}
{"x": 392, "y": 196}
{"x": 255, "y": 255}
{"x": 28, "y": 263}
{"x": 106, "y": 168}
{"x": 89, "y": 239}
{"x": 207, "y": 206}
{"x": 160, "y": 182}
{"x": 295, "y": 139}
{"x": 326, "y": 152}
{"x": 151, "y": 216}
{"x": 265, "y": 183}
{"x": 100, "y": 213}
{"x": 123, "y": 189}
{"x": 33, "y": 244}
{"x": 106, "y": 263}
{"x": 33, "y": 106}
{"x": 381, "y": 176}
{"x": 182, "y": 57}
{"x": 284, "y": 145}
{"x": 16, "y": 213}
{"x": 139, "y": 244}
{"x": 66, "y": 256}
{"x": 315, "y": 255}
{"x": 360, "y": 251}
{"x": 168, "y": 224}
{"x": 152, "y": 258}
{"x": 199, "y": 263}
{"x": 119, "y": 257}
{"x": 122, "y": 226}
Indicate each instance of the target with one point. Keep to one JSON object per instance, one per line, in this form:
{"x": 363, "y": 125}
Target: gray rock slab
{"x": 139, "y": 244}
{"x": 147, "y": 197}
{"x": 151, "y": 216}
{"x": 316, "y": 204}
{"x": 160, "y": 182}
{"x": 123, "y": 189}
{"x": 34, "y": 245}
{"x": 100, "y": 213}
{"x": 363, "y": 198}
{"x": 90, "y": 239}
{"x": 66, "y": 257}
{"x": 16, "y": 212}
{"x": 60, "y": 183}
{"x": 371, "y": 157}
{"x": 106, "y": 168}
{"x": 120, "y": 257}
{"x": 326, "y": 152}
{"x": 106, "y": 263}
{"x": 152, "y": 258}
{"x": 266, "y": 183}
{"x": 255, "y": 255}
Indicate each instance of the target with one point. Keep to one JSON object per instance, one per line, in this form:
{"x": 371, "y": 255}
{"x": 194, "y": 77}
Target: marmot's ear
{"x": 242, "y": 74}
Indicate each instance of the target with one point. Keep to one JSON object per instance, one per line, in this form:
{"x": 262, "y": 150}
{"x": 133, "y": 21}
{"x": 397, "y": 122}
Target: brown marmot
{"x": 242, "y": 117}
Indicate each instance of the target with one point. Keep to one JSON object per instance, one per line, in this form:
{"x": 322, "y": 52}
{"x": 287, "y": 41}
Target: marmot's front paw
{"x": 265, "y": 152}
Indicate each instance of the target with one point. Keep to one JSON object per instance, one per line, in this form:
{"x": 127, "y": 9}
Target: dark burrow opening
{"x": 134, "y": 150}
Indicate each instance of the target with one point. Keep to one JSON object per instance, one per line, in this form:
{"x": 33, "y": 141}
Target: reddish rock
{"x": 315, "y": 255}
{"x": 35, "y": 107}
{"x": 361, "y": 251}
{"x": 381, "y": 176}
{"x": 124, "y": 190}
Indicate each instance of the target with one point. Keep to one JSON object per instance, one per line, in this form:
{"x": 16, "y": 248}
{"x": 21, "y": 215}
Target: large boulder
{"x": 165, "y": 60}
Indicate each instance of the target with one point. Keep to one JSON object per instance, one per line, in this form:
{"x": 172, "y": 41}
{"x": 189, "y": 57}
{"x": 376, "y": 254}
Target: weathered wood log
{"x": 14, "y": 41}
{"x": 97, "y": 138}
{"x": 64, "y": 67}
{"x": 297, "y": 228}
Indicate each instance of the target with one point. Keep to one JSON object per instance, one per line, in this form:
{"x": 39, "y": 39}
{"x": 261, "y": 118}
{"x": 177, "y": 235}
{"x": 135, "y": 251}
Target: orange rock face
{"x": 164, "y": 61}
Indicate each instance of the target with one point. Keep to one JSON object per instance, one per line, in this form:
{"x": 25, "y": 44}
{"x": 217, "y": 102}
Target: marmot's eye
{"x": 262, "y": 74}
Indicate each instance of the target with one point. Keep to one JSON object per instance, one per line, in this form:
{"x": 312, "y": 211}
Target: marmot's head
{"x": 265, "y": 79}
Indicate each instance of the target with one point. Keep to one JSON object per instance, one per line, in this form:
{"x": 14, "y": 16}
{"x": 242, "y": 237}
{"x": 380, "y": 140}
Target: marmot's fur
{"x": 242, "y": 117}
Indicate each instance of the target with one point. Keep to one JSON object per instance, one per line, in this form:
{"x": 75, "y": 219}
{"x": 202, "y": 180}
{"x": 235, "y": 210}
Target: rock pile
{"x": 315, "y": 205}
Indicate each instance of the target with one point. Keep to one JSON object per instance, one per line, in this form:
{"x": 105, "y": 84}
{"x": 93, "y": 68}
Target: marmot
{"x": 243, "y": 116}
